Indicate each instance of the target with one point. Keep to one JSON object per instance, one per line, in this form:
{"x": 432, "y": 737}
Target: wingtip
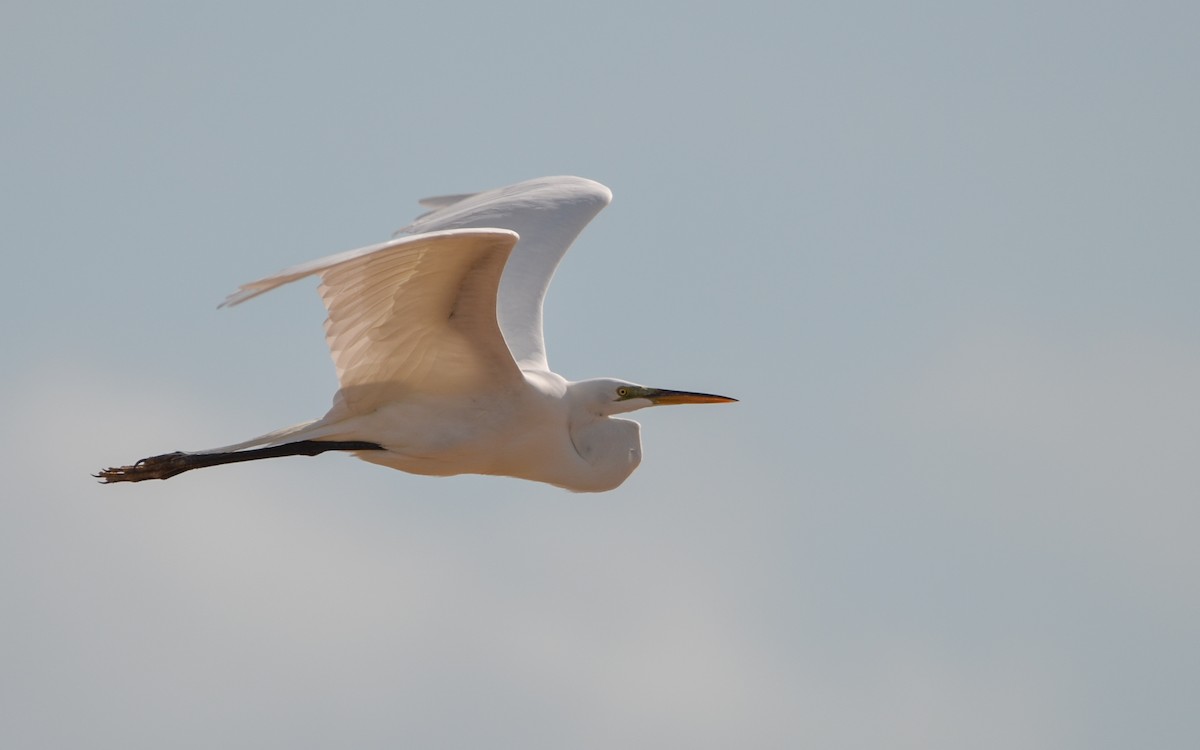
{"x": 238, "y": 297}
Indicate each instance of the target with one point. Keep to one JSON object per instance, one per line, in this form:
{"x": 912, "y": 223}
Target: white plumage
{"x": 441, "y": 363}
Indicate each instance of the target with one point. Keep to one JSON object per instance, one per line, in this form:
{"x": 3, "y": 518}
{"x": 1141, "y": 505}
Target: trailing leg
{"x": 169, "y": 464}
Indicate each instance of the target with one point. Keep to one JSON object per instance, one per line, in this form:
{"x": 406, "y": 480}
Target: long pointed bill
{"x": 663, "y": 397}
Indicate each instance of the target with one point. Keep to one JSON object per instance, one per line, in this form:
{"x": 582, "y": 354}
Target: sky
{"x": 943, "y": 253}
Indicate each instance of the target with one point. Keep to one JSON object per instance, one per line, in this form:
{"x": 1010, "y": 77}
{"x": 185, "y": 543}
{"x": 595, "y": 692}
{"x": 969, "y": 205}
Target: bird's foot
{"x": 155, "y": 467}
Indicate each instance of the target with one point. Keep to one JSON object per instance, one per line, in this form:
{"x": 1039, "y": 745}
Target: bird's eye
{"x": 623, "y": 392}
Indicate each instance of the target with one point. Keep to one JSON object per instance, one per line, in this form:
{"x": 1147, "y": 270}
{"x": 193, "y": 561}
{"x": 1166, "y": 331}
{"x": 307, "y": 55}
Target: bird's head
{"x": 608, "y": 396}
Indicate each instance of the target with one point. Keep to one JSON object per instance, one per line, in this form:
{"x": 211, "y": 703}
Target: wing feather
{"x": 548, "y": 213}
{"x": 417, "y": 314}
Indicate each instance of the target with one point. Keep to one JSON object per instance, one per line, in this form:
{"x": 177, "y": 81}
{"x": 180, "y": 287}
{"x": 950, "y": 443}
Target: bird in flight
{"x": 437, "y": 340}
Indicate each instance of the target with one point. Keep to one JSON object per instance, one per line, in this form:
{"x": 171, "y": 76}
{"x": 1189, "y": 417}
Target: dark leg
{"x": 170, "y": 464}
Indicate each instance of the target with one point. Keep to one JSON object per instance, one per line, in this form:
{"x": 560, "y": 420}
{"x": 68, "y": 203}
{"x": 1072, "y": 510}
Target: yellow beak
{"x": 663, "y": 397}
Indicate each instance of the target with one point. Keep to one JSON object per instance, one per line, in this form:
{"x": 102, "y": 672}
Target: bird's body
{"x": 506, "y": 437}
{"x": 437, "y": 340}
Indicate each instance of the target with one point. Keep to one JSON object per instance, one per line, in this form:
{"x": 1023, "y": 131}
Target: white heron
{"x": 441, "y": 366}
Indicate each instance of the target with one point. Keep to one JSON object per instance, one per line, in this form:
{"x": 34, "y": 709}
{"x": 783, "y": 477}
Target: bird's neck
{"x": 610, "y": 449}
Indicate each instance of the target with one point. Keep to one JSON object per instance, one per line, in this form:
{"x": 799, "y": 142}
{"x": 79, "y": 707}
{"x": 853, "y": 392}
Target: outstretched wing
{"x": 417, "y": 314}
{"x": 548, "y": 213}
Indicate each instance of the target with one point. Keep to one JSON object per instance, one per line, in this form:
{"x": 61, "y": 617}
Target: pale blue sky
{"x": 944, "y": 253}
